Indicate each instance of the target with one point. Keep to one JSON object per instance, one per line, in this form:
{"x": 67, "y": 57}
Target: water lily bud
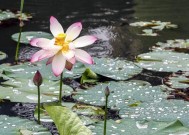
{"x": 37, "y": 79}
{"x": 107, "y": 91}
{"x": 21, "y": 23}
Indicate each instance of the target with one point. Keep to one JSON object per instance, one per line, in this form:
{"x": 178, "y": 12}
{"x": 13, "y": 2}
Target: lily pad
{"x": 114, "y": 68}
{"x": 178, "y": 45}
{"x": 18, "y": 126}
{"x": 67, "y": 122}
{"x": 27, "y": 70}
{"x": 159, "y": 110}
{"x": 27, "y": 36}
{"x": 148, "y": 32}
{"x": 3, "y": 56}
{"x": 164, "y": 61}
{"x": 134, "y": 127}
{"x": 157, "y": 25}
{"x": 121, "y": 94}
{"x": 23, "y": 90}
{"x": 178, "y": 80}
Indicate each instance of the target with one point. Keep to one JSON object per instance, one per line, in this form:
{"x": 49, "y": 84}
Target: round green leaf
{"x": 114, "y": 68}
{"x": 3, "y": 56}
{"x": 179, "y": 45}
{"x": 121, "y": 94}
{"x": 18, "y": 126}
{"x": 27, "y": 70}
{"x": 27, "y": 36}
{"x": 178, "y": 80}
{"x": 164, "y": 61}
{"x": 6, "y": 15}
{"x": 134, "y": 127}
{"x": 23, "y": 90}
{"x": 159, "y": 110}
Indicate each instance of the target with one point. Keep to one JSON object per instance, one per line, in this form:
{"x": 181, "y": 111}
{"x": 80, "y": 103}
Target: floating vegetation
{"x": 156, "y": 25}
{"x": 164, "y": 61}
{"x": 178, "y": 45}
{"x": 27, "y": 36}
{"x": 115, "y": 68}
{"x": 19, "y": 126}
{"x": 23, "y": 90}
{"x": 3, "y": 55}
{"x": 153, "y": 26}
{"x": 7, "y": 15}
{"x": 134, "y": 127}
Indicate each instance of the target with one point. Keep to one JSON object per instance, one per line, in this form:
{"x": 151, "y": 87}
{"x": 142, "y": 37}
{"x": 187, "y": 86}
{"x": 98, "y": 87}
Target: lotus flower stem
{"x": 60, "y": 92}
{"x": 38, "y": 80}
{"x": 21, "y": 25}
{"x": 38, "y": 109}
{"x": 107, "y": 93}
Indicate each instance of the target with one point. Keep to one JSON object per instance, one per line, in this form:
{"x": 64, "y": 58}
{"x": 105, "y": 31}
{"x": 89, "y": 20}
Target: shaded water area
{"x": 108, "y": 20}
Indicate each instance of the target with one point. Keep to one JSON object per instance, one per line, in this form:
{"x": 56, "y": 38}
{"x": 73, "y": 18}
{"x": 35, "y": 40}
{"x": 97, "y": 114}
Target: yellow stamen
{"x": 60, "y": 41}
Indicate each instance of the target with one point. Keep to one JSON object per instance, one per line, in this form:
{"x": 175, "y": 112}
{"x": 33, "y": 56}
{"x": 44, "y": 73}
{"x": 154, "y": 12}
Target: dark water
{"x": 107, "y": 19}
{"x": 100, "y": 18}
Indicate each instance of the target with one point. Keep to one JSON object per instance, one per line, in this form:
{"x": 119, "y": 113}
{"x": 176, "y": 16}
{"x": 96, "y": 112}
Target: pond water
{"x": 108, "y": 20}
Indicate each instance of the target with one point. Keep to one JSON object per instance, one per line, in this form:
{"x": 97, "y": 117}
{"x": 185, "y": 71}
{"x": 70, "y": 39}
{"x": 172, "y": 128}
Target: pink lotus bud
{"x": 107, "y": 91}
{"x": 37, "y": 79}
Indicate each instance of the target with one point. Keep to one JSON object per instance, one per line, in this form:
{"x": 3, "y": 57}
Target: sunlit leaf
{"x": 67, "y": 122}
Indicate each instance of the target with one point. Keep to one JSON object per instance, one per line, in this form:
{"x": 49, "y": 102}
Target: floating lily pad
{"x": 114, "y": 68}
{"x": 23, "y": 90}
{"x": 164, "y": 61}
{"x": 178, "y": 80}
{"x": 121, "y": 94}
{"x": 18, "y": 126}
{"x": 157, "y": 25}
{"x": 27, "y": 70}
{"x": 148, "y": 32}
{"x": 67, "y": 122}
{"x": 6, "y": 15}
{"x": 178, "y": 45}
{"x": 3, "y": 55}
{"x": 133, "y": 127}
{"x": 27, "y": 36}
{"x": 159, "y": 110}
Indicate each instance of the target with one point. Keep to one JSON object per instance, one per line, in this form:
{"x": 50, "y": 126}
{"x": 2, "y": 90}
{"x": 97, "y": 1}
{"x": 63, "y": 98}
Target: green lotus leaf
{"x": 3, "y": 56}
{"x": 6, "y": 15}
{"x": 158, "y": 110}
{"x": 19, "y": 126}
{"x": 178, "y": 80}
{"x": 164, "y": 61}
{"x": 121, "y": 94}
{"x": 23, "y": 90}
{"x": 134, "y": 127}
{"x": 67, "y": 122}
{"x": 178, "y": 45}
{"x": 27, "y": 36}
{"x": 157, "y": 25}
{"x": 27, "y": 70}
{"x": 114, "y": 68}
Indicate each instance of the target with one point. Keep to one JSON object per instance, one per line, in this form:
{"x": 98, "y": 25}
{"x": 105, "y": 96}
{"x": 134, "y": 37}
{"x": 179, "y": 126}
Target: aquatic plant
{"x": 37, "y": 80}
{"x": 62, "y": 50}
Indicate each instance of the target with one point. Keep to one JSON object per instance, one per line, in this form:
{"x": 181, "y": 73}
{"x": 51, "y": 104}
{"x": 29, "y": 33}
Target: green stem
{"x": 60, "y": 92}
{"x": 105, "y": 116}
{"x": 38, "y": 109}
{"x": 19, "y": 37}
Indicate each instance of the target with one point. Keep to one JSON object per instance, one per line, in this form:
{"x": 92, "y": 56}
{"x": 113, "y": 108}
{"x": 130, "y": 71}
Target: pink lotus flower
{"x": 63, "y": 48}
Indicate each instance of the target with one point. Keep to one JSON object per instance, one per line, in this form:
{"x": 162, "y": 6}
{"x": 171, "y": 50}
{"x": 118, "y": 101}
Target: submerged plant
{"x": 37, "y": 80}
{"x": 62, "y": 51}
